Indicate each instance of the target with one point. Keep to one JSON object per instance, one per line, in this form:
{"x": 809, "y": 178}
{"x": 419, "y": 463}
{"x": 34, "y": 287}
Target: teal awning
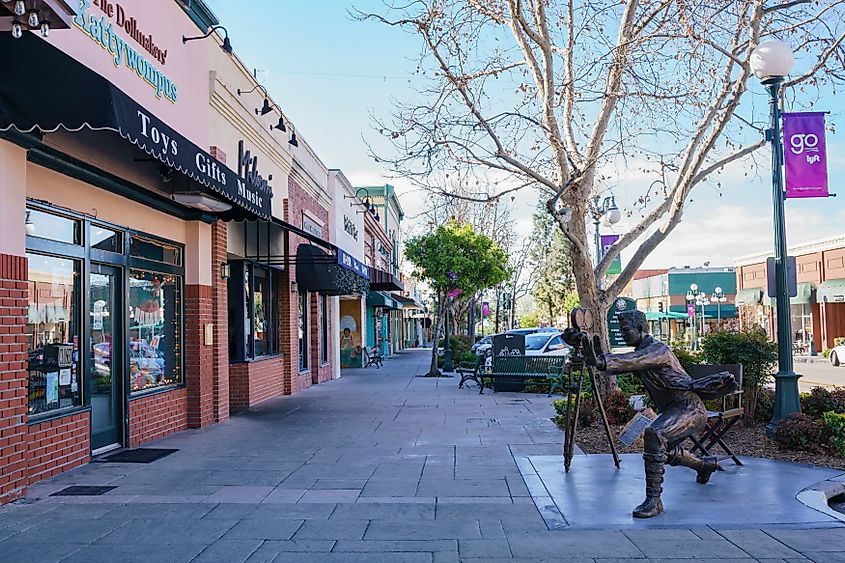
{"x": 652, "y": 316}
{"x": 806, "y": 295}
{"x": 752, "y": 296}
{"x": 379, "y": 299}
{"x": 831, "y": 291}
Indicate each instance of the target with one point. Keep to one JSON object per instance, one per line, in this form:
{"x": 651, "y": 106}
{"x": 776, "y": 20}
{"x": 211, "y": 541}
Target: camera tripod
{"x": 581, "y": 319}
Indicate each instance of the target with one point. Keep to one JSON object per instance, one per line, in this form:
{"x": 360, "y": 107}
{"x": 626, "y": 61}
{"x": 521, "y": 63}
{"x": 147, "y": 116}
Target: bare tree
{"x": 551, "y": 94}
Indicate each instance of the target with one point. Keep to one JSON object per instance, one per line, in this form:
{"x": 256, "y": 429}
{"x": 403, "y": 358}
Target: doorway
{"x": 106, "y": 357}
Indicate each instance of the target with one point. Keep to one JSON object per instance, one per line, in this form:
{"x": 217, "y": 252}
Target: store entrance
{"x": 106, "y": 357}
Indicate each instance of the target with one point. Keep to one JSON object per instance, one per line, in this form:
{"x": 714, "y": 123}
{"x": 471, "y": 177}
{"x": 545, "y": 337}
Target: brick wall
{"x": 157, "y": 415}
{"x": 13, "y": 408}
{"x": 220, "y": 318}
{"x": 58, "y": 445}
{"x": 320, "y": 372}
{"x": 253, "y": 382}
{"x": 199, "y": 358}
{"x": 296, "y": 205}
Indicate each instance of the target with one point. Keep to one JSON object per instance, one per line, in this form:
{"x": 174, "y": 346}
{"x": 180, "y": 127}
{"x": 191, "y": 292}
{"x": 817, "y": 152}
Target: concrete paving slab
{"x": 756, "y": 494}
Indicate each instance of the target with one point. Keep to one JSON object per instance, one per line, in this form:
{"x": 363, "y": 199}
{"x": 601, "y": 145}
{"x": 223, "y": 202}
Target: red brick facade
{"x": 157, "y": 415}
{"x": 253, "y": 382}
{"x": 220, "y": 318}
{"x": 58, "y": 445}
{"x": 13, "y": 408}
{"x": 199, "y": 358}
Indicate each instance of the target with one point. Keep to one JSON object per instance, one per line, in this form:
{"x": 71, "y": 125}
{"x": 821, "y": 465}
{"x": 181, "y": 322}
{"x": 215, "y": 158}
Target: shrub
{"x": 765, "y": 406}
{"x": 586, "y": 413}
{"x": 753, "y": 349}
{"x": 826, "y": 353}
{"x": 834, "y": 424}
{"x": 800, "y": 431}
{"x": 459, "y": 343}
{"x": 618, "y": 408}
{"x": 536, "y": 386}
{"x": 687, "y": 358}
{"x": 820, "y": 400}
{"x": 630, "y": 384}
{"x": 838, "y": 341}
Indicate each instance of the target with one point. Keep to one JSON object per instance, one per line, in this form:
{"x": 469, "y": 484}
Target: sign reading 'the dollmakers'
{"x": 103, "y": 26}
{"x": 805, "y": 156}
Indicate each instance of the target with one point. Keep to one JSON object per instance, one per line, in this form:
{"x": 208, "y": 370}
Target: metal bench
{"x": 517, "y": 370}
{"x": 373, "y": 357}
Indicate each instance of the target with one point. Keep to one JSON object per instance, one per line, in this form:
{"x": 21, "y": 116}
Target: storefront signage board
{"x": 346, "y": 261}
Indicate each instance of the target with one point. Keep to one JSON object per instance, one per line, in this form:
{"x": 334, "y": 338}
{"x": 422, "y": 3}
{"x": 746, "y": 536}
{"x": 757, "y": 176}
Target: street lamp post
{"x": 719, "y": 298}
{"x": 771, "y": 61}
{"x": 703, "y": 301}
{"x": 603, "y": 209}
{"x": 693, "y": 298}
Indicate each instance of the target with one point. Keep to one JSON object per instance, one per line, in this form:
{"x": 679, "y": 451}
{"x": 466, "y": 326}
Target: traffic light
{"x": 660, "y": 306}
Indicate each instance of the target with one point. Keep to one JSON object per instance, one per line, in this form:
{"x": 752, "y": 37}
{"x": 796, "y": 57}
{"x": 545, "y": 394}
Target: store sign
{"x": 311, "y": 226}
{"x": 350, "y": 227}
{"x": 614, "y": 329}
{"x": 157, "y": 138}
{"x": 344, "y": 260}
{"x": 102, "y": 28}
{"x": 805, "y": 155}
{"x": 251, "y": 184}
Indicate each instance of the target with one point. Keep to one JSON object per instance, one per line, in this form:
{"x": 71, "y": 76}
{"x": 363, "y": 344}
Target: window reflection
{"x": 155, "y": 310}
{"x": 48, "y": 226}
{"x": 53, "y": 333}
{"x": 106, "y": 239}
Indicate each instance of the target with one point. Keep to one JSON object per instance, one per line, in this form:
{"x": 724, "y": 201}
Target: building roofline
{"x": 818, "y": 245}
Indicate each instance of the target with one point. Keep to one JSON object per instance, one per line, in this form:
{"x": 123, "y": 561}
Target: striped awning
{"x": 831, "y": 291}
{"x": 749, "y": 297}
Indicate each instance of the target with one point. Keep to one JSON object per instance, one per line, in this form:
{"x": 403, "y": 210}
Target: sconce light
{"x": 293, "y": 286}
{"x": 280, "y": 125}
{"x": 293, "y": 140}
{"x": 265, "y": 109}
{"x": 226, "y": 46}
{"x": 225, "y": 270}
{"x": 30, "y": 226}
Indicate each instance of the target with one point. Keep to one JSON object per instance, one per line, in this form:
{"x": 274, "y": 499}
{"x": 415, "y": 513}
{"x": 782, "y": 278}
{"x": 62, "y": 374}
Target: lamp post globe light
{"x": 603, "y": 210}
{"x": 771, "y": 61}
{"x": 693, "y": 297}
{"x": 719, "y": 298}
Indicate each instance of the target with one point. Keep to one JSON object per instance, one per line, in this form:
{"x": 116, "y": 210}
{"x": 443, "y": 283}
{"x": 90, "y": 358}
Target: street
{"x": 815, "y": 374}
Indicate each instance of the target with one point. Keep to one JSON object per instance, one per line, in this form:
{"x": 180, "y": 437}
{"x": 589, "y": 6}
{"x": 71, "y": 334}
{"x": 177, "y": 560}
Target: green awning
{"x": 750, "y": 297}
{"x": 831, "y": 291}
{"x": 806, "y": 295}
{"x": 652, "y": 316}
{"x": 379, "y": 299}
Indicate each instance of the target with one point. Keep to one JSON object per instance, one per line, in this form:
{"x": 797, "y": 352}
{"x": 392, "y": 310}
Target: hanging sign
{"x": 606, "y": 242}
{"x": 485, "y": 309}
{"x": 691, "y": 310}
{"x": 805, "y": 155}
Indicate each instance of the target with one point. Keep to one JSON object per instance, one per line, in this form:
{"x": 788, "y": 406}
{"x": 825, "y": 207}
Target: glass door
{"x": 106, "y": 357}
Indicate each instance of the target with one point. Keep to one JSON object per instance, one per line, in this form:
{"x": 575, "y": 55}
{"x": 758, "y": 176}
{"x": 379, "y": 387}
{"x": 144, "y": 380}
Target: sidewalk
{"x": 377, "y": 466}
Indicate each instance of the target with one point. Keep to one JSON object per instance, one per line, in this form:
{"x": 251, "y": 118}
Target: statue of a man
{"x": 678, "y": 400}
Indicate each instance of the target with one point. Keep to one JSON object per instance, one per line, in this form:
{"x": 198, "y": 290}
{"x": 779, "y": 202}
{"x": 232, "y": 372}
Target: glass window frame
{"x": 241, "y": 296}
{"x": 324, "y": 329}
{"x": 302, "y": 330}
{"x": 84, "y": 252}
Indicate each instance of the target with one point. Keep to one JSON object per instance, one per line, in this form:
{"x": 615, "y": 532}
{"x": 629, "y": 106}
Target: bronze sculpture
{"x": 678, "y": 398}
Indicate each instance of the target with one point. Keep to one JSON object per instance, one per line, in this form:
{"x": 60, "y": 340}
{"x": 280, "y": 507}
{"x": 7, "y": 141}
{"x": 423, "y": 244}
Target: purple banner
{"x": 805, "y": 157}
{"x": 485, "y": 308}
{"x": 690, "y": 310}
{"x": 606, "y": 242}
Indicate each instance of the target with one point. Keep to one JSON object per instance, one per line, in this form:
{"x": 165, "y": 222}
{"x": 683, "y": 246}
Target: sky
{"x": 331, "y": 73}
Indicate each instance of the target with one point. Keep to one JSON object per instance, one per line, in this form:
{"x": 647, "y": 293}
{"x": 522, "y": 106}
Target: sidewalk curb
{"x": 816, "y": 496}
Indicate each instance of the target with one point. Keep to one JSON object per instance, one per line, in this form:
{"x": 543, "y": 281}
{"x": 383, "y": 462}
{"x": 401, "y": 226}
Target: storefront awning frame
{"x": 805, "y": 295}
{"x": 749, "y": 297}
{"x": 831, "y": 291}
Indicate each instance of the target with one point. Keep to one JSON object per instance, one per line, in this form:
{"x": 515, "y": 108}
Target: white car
{"x": 837, "y": 355}
{"x": 546, "y": 344}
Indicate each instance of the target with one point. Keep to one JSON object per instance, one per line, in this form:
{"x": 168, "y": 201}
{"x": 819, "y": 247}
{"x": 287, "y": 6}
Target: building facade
{"x": 818, "y": 308}
{"x": 166, "y": 239}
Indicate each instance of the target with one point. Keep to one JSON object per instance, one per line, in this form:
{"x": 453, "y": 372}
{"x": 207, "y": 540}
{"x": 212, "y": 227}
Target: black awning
{"x": 43, "y": 89}
{"x": 384, "y": 281}
{"x": 318, "y": 271}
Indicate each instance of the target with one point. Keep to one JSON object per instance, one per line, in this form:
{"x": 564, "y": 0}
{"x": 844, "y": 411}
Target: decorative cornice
{"x": 820, "y": 245}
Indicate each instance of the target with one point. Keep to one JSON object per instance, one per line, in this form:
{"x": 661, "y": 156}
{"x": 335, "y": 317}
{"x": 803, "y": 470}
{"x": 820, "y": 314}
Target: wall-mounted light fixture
{"x": 266, "y": 107}
{"x": 225, "y": 270}
{"x": 226, "y": 46}
{"x": 366, "y": 202}
{"x": 281, "y": 124}
{"x": 293, "y": 140}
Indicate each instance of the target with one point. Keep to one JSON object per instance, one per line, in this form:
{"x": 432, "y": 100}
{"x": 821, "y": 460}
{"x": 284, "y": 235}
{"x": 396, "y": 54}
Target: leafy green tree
{"x": 554, "y": 286}
{"x": 453, "y": 257}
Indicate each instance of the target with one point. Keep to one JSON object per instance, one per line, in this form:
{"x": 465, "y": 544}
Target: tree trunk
{"x": 438, "y": 324}
{"x": 471, "y": 322}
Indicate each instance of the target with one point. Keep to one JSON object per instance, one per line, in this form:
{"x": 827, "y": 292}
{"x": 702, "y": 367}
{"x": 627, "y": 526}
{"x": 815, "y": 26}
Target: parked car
{"x": 837, "y": 355}
{"x": 546, "y": 344}
{"x": 483, "y": 345}
{"x": 532, "y": 330}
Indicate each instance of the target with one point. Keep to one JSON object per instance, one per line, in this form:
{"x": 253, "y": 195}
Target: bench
{"x": 516, "y": 370}
{"x": 373, "y": 357}
{"x": 728, "y": 411}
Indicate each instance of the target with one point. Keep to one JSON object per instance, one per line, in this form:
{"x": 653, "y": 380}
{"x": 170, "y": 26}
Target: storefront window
{"x": 303, "y": 331}
{"x": 155, "y": 320}
{"x": 52, "y": 227}
{"x": 106, "y": 239}
{"x": 324, "y": 329}
{"x": 53, "y": 333}
{"x": 156, "y": 251}
{"x": 802, "y": 327}
{"x": 253, "y": 314}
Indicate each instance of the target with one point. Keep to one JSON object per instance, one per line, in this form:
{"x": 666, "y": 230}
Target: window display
{"x": 253, "y": 318}
{"x": 303, "y": 331}
{"x": 53, "y": 333}
{"x": 155, "y": 320}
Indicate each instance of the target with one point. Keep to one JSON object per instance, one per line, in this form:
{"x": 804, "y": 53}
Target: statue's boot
{"x": 704, "y": 466}
{"x": 652, "y": 505}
